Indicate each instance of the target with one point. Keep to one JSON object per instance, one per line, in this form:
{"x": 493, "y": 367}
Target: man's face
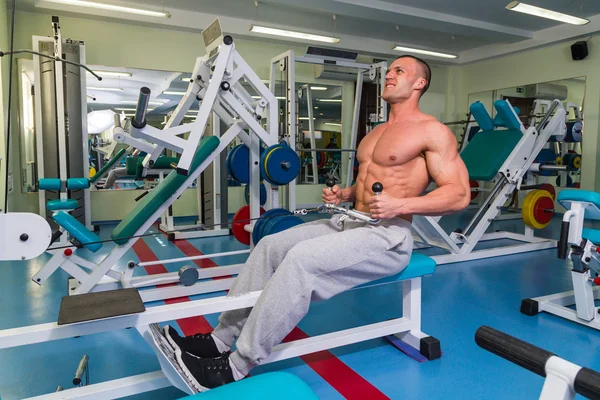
{"x": 401, "y": 80}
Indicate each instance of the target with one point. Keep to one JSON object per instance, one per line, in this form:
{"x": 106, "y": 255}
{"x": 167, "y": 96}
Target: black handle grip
{"x": 142, "y": 195}
{"x": 587, "y": 383}
{"x": 514, "y": 350}
{"x": 377, "y": 188}
{"x": 330, "y": 183}
{"x": 139, "y": 119}
{"x": 563, "y": 241}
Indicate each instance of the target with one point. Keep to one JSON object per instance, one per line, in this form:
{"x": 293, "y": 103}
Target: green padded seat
{"x": 268, "y": 386}
{"x": 77, "y": 230}
{"x": 160, "y": 194}
{"x": 134, "y": 164}
{"x": 62, "y": 204}
{"x": 419, "y": 265}
{"x": 487, "y": 151}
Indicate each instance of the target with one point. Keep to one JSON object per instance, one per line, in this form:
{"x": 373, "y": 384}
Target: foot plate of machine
{"x": 93, "y": 306}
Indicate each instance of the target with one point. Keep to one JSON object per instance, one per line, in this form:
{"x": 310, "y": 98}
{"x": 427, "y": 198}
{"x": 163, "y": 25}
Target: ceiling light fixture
{"x": 106, "y": 89}
{"x": 154, "y": 103}
{"x": 332, "y": 123}
{"x": 318, "y": 88}
{"x": 293, "y": 34}
{"x": 330, "y": 100}
{"x": 111, "y": 73}
{"x": 110, "y": 7}
{"x": 425, "y": 52}
{"x": 545, "y": 13}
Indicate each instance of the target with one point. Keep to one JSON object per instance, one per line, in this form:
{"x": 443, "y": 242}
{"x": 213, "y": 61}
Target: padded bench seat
{"x": 62, "y": 204}
{"x": 565, "y": 197}
{"x": 269, "y": 386}
{"x": 160, "y": 194}
{"x": 419, "y": 265}
{"x": 487, "y": 151}
{"x": 78, "y": 230}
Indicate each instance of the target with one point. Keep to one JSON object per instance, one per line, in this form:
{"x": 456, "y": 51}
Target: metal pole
{"x": 139, "y": 119}
{"x": 487, "y": 201}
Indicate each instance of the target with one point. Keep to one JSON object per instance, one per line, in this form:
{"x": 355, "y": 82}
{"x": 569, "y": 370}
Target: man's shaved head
{"x": 424, "y": 71}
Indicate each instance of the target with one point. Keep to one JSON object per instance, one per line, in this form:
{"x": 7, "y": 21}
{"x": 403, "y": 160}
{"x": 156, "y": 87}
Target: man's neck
{"x": 403, "y": 111}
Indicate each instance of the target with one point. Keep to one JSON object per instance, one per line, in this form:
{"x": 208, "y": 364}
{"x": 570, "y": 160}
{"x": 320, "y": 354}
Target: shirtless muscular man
{"x": 317, "y": 260}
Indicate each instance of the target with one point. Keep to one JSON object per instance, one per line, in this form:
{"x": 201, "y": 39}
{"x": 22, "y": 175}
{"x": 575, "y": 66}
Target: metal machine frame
{"x": 584, "y": 260}
{"x": 222, "y": 94}
{"x": 61, "y": 124}
{"x": 461, "y": 245}
{"x": 286, "y": 62}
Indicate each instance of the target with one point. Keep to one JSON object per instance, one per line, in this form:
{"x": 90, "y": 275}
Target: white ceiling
{"x": 472, "y": 29}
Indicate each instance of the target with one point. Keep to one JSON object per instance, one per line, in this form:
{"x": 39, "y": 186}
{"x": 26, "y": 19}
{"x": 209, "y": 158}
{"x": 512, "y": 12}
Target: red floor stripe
{"x": 189, "y": 326}
{"x": 341, "y": 377}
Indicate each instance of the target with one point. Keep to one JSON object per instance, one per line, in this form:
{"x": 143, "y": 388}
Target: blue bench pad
{"x": 78, "y": 230}
{"x": 419, "y": 265}
{"x": 62, "y": 204}
{"x": 268, "y": 386}
{"x": 487, "y": 151}
{"x": 593, "y": 235}
{"x": 579, "y": 195}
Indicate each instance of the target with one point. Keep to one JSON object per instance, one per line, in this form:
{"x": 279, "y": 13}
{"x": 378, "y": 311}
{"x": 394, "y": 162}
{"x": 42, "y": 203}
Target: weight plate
{"x": 541, "y": 209}
{"x": 263, "y": 194}
{"x": 574, "y": 132}
{"x": 549, "y": 188}
{"x": 228, "y": 163}
{"x": 240, "y": 220}
{"x": 258, "y": 225}
{"x": 280, "y": 223}
{"x": 280, "y": 165}
{"x": 240, "y": 164}
{"x": 526, "y": 210}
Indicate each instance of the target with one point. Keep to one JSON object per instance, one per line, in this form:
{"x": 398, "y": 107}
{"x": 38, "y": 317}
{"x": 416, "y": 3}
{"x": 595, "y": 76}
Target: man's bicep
{"x": 444, "y": 163}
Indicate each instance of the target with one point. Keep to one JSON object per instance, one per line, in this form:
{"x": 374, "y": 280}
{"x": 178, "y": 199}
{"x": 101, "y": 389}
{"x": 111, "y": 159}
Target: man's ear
{"x": 420, "y": 83}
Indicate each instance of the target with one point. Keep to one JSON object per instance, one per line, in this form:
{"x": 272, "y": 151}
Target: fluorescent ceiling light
{"x": 106, "y": 89}
{"x": 293, "y": 34}
{"x": 111, "y": 7}
{"x": 111, "y": 73}
{"x": 544, "y": 13}
{"x": 330, "y": 100}
{"x": 131, "y": 109}
{"x": 305, "y": 118}
{"x": 318, "y": 88}
{"x": 174, "y": 93}
{"x": 332, "y": 123}
{"x": 426, "y": 52}
{"x": 316, "y": 108}
{"x": 154, "y": 103}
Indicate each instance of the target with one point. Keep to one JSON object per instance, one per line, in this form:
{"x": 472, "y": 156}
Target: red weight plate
{"x": 540, "y": 207}
{"x": 241, "y": 219}
{"x": 549, "y": 188}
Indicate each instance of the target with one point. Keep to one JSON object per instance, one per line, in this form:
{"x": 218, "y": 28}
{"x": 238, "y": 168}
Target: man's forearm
{"x": 349, "y": 194}
{"x": 441, "y": 201}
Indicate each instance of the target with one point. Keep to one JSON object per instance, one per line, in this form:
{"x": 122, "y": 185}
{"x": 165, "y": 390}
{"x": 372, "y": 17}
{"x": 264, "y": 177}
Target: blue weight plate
{"x": 574, "y": 132}
{"x": 281, "y": 223}
{"x": 272, "y": 163}
{"x": 264, "y": 217}
{"x": 263, "y": 194}
{"x": 240, "y": 164}
{"x": 228, "y": 162}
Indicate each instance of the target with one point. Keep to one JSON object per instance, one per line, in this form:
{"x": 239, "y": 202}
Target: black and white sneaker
{"x": 199, "y": 345}
{"x": 205, "y": 373}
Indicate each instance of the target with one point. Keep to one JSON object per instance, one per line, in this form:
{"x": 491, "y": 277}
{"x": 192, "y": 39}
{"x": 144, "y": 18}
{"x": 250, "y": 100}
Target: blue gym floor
{"x": 457, "y": 300}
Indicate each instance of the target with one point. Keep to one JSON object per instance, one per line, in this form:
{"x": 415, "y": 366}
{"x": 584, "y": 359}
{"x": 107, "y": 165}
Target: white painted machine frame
{"x": 229, "y": 67}
{"x": 582, "y": 262}
{"x": 60, "y": 119}
{"x": 286, "y": 62}
{"x": 407, "y": 328}
{"x": 461, "y": 246}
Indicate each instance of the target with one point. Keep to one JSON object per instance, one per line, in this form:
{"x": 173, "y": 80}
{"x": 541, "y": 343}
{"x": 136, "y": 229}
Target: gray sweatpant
{"x": 311, "y": 261}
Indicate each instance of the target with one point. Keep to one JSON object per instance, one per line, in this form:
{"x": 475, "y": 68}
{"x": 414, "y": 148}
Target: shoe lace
{"x": 217, "y": 363}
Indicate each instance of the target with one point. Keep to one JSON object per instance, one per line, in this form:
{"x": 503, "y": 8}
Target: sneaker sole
{"x": 187, "y": 375}
{"x": 171, "y": 342}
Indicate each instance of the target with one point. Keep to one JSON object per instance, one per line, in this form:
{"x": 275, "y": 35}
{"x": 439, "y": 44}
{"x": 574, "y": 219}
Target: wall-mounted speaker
{"x": 579, "y": 50}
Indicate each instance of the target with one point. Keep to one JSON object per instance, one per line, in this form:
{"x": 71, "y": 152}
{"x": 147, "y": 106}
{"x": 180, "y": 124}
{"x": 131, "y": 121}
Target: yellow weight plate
{"x": 266, "y": 161}
{"x": 559, "y": 160}
{"x": 526, "y": 209}
{"x": 576, "y": 162}
{"x": 529, "y": 208}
